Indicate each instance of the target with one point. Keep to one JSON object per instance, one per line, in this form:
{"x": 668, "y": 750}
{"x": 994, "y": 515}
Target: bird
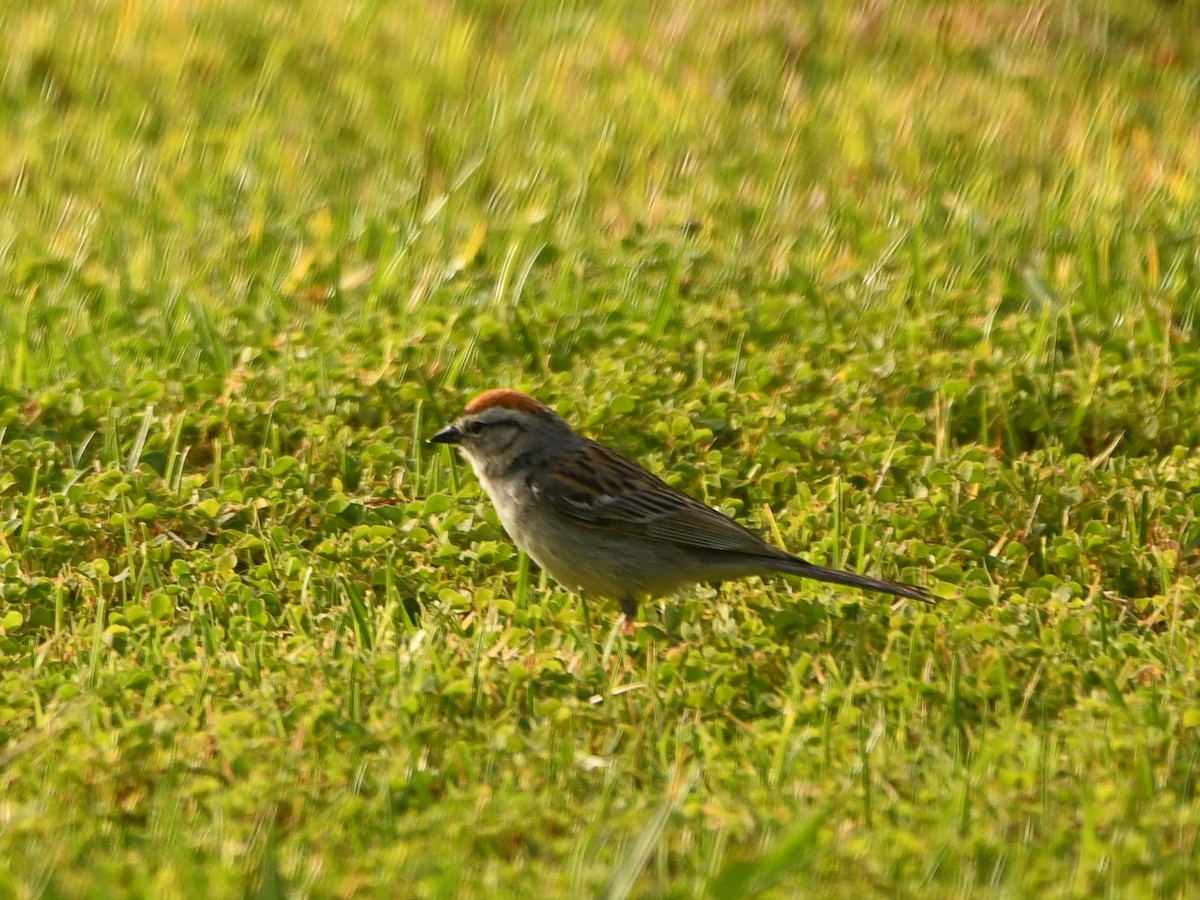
{"x": 599, "y": 523}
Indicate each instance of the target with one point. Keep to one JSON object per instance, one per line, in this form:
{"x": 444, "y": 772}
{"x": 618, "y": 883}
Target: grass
{"x": 910, "y": 288}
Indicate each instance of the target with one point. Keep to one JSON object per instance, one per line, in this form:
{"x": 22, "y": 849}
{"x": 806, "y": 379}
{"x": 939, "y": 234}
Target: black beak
{"x": 448, "y": 435}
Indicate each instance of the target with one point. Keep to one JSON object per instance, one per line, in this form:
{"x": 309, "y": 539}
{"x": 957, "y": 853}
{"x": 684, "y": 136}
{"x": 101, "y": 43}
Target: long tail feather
{"x": 806, "y": 569}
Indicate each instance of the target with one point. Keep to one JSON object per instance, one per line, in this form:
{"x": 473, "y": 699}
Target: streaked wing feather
{"x": 612, "y": 492}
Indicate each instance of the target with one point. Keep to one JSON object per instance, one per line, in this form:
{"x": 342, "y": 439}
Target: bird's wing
{"x": 603, "y": 489}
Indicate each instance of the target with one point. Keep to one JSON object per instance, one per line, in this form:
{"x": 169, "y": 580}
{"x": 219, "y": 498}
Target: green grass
{"x": 910, "y": 288}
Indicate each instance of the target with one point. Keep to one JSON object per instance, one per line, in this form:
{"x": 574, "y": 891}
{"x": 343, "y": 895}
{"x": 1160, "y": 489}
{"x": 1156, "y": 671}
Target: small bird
{"x": 599, "y": 523}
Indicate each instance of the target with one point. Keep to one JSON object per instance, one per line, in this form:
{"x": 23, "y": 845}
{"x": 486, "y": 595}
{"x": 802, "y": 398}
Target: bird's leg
{"x": 629, "y": 606}
{"x": 589, "y": 641}
{"x": 587, "y": 619}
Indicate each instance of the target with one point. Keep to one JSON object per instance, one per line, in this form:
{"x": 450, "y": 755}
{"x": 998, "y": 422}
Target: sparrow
{"x": 599, "y": 523}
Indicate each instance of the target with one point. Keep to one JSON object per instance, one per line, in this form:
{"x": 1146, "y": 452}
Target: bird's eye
{"x": 473, "y": 428}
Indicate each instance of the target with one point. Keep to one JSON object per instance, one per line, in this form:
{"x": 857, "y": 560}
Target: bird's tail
{"x": 797, "y": 566}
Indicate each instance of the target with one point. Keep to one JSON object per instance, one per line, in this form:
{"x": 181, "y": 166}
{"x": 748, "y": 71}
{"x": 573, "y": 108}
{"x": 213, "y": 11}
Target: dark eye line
{"x": 477, "y": 427}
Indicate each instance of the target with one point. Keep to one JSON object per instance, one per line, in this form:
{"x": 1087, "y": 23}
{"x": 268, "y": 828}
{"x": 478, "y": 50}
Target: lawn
{"x": 908, "y": 288}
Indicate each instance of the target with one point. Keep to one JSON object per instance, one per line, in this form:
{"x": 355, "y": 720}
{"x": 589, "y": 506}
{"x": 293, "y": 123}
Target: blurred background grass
{"x": 188, "y": 179}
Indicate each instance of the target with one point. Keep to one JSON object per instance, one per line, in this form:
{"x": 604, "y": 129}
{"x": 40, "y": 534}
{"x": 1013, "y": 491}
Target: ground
{"x": 908, "y": 288}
